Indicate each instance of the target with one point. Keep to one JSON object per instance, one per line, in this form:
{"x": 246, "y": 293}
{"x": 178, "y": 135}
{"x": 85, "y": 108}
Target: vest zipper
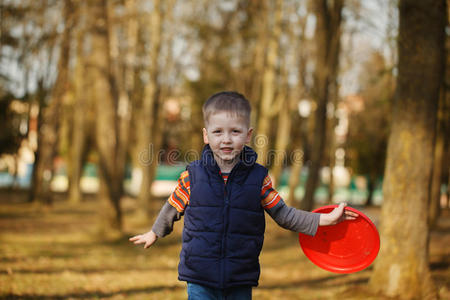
{"x": 227, "y": 220}
{"x": 224, "y": 236}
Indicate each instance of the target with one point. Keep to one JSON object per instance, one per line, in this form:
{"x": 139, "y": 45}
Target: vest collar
{"x": 247, "y": 158}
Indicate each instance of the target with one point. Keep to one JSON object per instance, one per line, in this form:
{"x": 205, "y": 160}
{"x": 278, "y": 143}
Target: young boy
{"x": 223, "y": 197}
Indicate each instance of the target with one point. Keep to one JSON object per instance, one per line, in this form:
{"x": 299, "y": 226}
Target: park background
{"x": 101, "y": 112}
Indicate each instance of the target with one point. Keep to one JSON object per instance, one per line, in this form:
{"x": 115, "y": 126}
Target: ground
{"x": 56, "y": 253}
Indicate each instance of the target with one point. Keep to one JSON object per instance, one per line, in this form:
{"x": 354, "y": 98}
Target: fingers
{"x": 350, "y": 215}
{"x": 342, "y": 205}
{"x": 143, "y": 239}
{"x": 345, "y": 213}
{"x": 340, "y": 209}
{"x": 134, "y": 238}
{"x": 138, "y": 239}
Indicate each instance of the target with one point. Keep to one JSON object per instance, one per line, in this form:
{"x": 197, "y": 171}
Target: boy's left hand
{"x": 337, "y": 215}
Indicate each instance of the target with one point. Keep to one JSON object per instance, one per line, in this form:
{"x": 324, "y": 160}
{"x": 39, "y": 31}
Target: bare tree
{"x": 50, "y": 117}
{"x": 328, "y": 28}
{"x": 300, "y": 90}
{"x": 149, "y": 116}
{"x": 258, "y": 14}
{"x": 267, "y": 105}
{"x": 109, "y": 136}
{"x": 368, "y": 135}
{"x": 401, "y": 269}
{"x": 441, "y": 146}
{"x": 283, "y": 100}
{"x": 79, "y": 110}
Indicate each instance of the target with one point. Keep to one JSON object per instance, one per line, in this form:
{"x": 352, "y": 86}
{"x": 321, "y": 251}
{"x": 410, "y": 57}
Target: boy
{"x": 223, "y": 197}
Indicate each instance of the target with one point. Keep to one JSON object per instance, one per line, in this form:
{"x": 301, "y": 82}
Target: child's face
{"x": 226, "y": 134}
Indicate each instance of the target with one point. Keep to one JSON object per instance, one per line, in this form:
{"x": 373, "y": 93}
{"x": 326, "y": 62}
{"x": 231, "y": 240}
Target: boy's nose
{"x": 227, "y": 138}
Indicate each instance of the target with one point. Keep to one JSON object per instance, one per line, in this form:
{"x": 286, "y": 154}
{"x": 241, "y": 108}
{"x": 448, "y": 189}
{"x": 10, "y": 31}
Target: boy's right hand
{"x": 148, "y": 239}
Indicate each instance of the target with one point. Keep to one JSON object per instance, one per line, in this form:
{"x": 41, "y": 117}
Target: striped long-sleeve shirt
{"x": 180, "y": 197}
{"x": 285, "y": 216}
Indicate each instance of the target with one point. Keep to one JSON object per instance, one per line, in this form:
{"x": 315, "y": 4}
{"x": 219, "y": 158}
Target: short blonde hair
{"x": 228, "y": 101}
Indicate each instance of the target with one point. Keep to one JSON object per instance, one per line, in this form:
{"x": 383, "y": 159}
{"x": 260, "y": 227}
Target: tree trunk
{"x": 259, "y": 9}
{"x": 134, "y": 86}
{"x": 108, "y": 123}
{"x": 296, "y": 167}
{"x": 446, "y": 129}
{"x": 268, "y": 87}
{"x": 327, "y": 48}
{"x": 50, "y": 117}
{"x": 170, "y": 65}
{"x": 438, "y": 163}
{"x": 283, "y": 103}
{"x": 120, "y": 95}
{"x": 77, "y": 148}
{"x": 151, "y": 108}
{"x": 371, "y": 185}
{"x": 283, "y": 135}
{"x": 298, "y": 132}
{"x": 441, "y": 157}
{"x": 286, "y": 105}
{"x": 132, "y": 28}
{"x": 78, "y": 131}
{"x": 332, "y": 143}
{"x": 38, "y": 184}
{"x": 401, "y": 269}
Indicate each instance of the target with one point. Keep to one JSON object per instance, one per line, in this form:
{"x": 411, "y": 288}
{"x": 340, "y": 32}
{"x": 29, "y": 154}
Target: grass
{"x": 56, "y": 254}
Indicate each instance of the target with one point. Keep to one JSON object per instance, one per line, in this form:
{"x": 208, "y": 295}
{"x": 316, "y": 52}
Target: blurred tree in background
{"x": 402, "y": 268}
{"x": 440, "y": 175}
{"x": 10, "y": 136}
{"x": 328, "y": 36}
{"x": 50, "y": 111}
{"x": 368, "y": 135}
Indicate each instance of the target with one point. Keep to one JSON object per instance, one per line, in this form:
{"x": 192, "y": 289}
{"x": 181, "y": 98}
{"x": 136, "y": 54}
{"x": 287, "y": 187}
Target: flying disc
{"x": 347, "y": 247}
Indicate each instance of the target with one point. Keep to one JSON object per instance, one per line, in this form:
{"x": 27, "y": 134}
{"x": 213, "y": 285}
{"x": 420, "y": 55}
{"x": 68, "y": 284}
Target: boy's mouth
{"x": 226, "y": 149}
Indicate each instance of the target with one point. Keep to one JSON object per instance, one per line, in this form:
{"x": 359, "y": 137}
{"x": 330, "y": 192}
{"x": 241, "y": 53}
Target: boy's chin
{"x": 228, "y": 158}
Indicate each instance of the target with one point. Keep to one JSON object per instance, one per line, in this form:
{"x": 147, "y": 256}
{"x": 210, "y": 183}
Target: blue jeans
{"x": 201, "y": 292}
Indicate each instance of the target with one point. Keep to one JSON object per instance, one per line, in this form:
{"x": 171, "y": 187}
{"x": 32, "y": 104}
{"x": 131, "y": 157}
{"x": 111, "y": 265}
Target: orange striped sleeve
{"x": 269, "y": 196}
{"x": 180, "y": 197}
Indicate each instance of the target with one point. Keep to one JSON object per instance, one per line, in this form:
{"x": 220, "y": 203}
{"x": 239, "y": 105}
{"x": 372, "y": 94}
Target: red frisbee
{"x": 347, "y": 247}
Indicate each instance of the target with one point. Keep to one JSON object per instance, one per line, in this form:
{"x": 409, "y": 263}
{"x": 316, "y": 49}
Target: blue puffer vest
{"x": 223, "y": 224}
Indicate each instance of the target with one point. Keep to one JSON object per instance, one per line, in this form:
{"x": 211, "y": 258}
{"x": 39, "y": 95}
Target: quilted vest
{"x": 224, "y": 223}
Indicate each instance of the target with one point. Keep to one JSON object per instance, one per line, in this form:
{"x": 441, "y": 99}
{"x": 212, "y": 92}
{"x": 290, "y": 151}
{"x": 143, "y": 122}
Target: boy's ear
{"x": 249, "y": 136}
{"x": 205, "y": 136}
